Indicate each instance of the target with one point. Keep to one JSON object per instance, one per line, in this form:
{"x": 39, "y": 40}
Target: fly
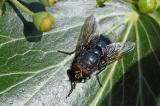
{"x": 93, "y": 53}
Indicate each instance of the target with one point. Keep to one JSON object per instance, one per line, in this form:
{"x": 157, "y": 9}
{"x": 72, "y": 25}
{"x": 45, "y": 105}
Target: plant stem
{"x": 24, "y": 8}
{"x": 158, "y": 3}
{"x": 1, "y": 3}
{"x": 1, "y": 6}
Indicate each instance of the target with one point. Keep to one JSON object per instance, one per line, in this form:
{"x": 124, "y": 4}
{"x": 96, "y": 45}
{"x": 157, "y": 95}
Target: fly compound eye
{"x": 78, "y": 71}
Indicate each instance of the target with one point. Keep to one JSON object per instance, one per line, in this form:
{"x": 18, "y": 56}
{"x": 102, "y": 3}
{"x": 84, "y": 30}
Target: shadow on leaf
{"x": 30, "y": 31}
{"x": 35, "y": 6}
{"x": 138, "y": 87}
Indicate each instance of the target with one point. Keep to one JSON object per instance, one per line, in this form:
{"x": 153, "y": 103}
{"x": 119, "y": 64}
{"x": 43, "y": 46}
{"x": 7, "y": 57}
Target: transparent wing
{"x": 115, "y": 51}
{"x": 89, "y": 33}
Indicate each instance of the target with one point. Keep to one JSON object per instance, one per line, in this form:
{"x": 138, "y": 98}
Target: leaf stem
{"x": 158, "y": 3}
{"x": 1, "y": 6}
{"x": 24, "y": 8}
{"x": 1, "y": 3}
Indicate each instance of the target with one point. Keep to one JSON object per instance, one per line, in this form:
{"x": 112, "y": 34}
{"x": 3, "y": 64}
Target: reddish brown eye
{"x": 77, "y": 67}
{"x": 86, "y": 73}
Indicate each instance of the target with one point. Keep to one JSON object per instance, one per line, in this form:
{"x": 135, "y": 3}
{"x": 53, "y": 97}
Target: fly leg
{"x": 72, "y": 80}
{"x": 100, "y": 70}
{"x": 97, "y": 77}
{"x": 64, "y": 52}
{"x": 73, "y": 85}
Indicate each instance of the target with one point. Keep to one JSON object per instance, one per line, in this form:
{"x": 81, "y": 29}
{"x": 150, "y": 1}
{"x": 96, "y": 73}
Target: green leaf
{"x": 32, "y": 72}
{"x": 156, "y": 15}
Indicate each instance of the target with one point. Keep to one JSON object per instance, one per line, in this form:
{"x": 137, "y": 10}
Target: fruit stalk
{"x": 1, "y": 6}
{"x": 24, "y": 8}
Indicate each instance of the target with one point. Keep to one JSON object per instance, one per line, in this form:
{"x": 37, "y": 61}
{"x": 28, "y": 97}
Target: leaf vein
{"x": 150, "y": 44}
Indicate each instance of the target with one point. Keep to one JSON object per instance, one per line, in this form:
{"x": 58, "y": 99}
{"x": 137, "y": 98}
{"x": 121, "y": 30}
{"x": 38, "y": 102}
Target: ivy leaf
{"x": 156, "y": 14}
{"x": 32, "y": 72}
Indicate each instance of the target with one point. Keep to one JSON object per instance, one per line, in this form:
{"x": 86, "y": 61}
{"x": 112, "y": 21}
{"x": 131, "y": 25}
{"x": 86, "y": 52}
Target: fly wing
{"x": 89, "y": 34}
{"x": 115, "y": 51}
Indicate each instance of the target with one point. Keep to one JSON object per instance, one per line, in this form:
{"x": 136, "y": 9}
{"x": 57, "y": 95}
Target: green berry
{"x": 44, "y": 21}
{"x": 147, "y": 6}
{"x": 100, "y": 3}
{"x": 48, "y": 3}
